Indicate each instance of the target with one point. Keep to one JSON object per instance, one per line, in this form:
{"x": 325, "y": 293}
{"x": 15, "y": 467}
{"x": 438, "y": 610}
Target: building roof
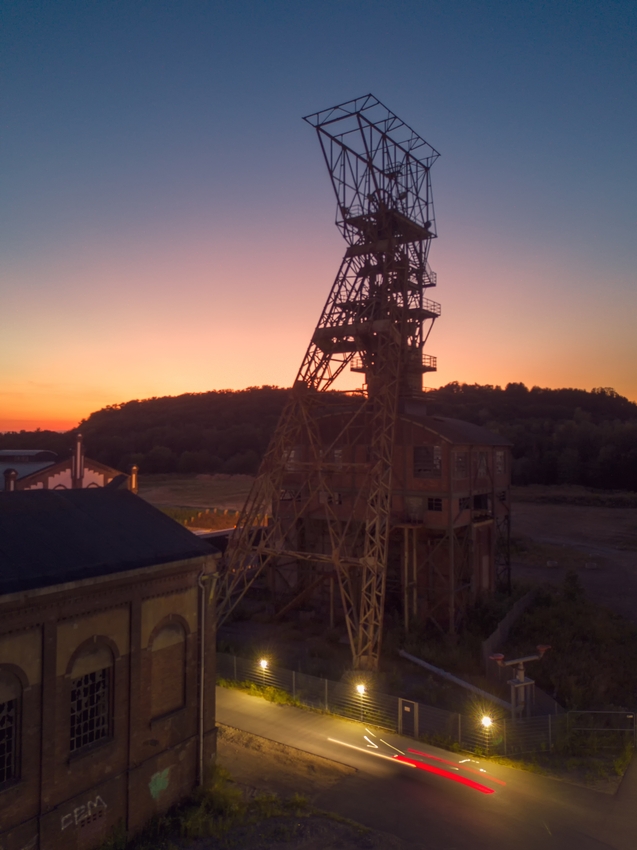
{"x": 25, "y": 461}
{"x": 23, "y": 468}
{"x": 50, "y": 537}
{"x": 457, "y": 431}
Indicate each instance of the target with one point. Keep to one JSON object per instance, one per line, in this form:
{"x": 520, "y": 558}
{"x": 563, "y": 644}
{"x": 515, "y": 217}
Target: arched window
{"x": 168, "y": 669}
{"x": 10, "y": 703}
{"x": 91, "y": 696}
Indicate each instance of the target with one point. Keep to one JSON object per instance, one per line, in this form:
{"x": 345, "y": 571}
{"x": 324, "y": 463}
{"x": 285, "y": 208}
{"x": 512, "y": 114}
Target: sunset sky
{"x": 167, "y": 222}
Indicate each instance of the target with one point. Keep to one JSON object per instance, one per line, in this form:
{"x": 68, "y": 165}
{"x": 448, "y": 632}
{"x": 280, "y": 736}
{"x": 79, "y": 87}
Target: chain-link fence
{"x": 591, "y": 731}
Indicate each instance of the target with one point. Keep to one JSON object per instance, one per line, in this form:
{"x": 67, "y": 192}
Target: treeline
{"x": 564, "y": 436}
{"x": 226, "y": 431}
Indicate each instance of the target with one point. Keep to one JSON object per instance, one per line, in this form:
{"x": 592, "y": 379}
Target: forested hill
{"x": 559, "y": 436}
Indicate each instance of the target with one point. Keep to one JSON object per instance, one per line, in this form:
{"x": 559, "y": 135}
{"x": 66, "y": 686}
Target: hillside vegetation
{"x": 563, "y": 436}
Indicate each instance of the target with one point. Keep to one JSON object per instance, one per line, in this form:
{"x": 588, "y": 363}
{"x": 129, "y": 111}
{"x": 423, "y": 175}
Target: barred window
{"x": 10, "y": 699}
{"x": 427, "y": 462}
{"x": 8, "y": 740}
{"x": 434, "y": 504}
{"x": 91, "y": 697}
{"x": 90, "y": 708}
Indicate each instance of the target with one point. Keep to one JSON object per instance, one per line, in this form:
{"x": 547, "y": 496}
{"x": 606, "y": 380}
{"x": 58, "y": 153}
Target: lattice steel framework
{"x": 373, "y": 321}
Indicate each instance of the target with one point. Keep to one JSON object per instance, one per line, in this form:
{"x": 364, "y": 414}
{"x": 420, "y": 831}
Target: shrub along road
{"x": 433, "y": 798}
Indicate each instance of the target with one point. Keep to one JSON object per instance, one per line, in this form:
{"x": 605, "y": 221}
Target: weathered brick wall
{"x": 67, "y": 800}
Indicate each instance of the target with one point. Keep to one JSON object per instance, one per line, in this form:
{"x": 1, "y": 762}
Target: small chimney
{"x": 10, "y": 476}
{"x": 78, "y": 463}
{"x": 132, "y": 481}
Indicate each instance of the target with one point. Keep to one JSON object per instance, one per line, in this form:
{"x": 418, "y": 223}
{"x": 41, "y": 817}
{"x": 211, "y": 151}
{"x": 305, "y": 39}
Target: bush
{"x": 583, "y": 669}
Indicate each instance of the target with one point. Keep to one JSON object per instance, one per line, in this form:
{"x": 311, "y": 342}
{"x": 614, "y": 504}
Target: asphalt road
{"x": 436, "y": 799}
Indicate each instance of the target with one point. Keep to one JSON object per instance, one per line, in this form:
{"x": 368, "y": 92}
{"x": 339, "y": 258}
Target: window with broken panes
{"x": 90, "y": 708}
{"x": 8, "y": 740}
{"x": 427, "y": 461}
{"x": 434, "y": 504}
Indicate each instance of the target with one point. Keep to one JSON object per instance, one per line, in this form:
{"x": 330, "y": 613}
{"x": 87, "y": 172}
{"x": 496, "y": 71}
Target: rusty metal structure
{"x": 376, "y": 321}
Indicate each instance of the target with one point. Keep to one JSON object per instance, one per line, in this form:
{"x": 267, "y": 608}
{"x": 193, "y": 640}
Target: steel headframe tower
{"x": 373, "y": 322}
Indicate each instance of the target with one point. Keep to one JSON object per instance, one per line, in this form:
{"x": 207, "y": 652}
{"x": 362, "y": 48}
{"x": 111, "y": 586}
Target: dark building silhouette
{"x": 106, "y": 634}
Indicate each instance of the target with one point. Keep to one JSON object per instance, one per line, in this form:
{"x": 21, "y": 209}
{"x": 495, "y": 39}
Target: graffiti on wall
{"x": 158, "y": 783}
{"x": 80, "y": 814}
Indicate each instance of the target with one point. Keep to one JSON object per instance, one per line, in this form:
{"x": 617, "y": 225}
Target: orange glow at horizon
{"x": 166, "y": 318}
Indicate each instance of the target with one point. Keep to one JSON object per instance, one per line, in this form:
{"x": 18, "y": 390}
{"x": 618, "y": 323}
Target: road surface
{"x": 437, "y": 800}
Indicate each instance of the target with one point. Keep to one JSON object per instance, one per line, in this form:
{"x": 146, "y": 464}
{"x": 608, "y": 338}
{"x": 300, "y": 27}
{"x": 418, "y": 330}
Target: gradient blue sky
{"x": 166, "y": 220}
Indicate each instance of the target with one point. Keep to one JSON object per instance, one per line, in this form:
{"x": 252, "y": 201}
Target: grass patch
{"x": 219, "y": 812}
{"x": 268, "y": 692}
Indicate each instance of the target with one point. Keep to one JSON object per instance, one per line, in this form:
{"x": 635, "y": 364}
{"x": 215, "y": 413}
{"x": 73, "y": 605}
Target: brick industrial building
{"x": 106, "y": 636}
{"x": 32, "y": 469}
{"x": 450, "y": 512}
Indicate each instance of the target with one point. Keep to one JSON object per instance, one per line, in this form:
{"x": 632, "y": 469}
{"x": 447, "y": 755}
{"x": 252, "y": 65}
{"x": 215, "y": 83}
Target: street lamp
{"x": 361, "y": 691}
{"x": 263, "y": 664}
{"x": 487, "y": 723}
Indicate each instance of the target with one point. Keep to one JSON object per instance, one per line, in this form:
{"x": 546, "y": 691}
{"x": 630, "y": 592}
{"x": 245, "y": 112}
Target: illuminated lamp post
{"x": 263, "y": 664}
{"x": 487, "y": 723}
{"x": 361, "y": 691}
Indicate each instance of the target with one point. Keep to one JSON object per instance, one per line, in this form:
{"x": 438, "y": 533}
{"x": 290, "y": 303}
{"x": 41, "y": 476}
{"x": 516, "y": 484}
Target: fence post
{"x": 234, "y": 666}
{"x": 505, "y": 736}
{"x": 327, "y": 707}
{"x": 293, "y": 684}
{"x": 550, "y": 736}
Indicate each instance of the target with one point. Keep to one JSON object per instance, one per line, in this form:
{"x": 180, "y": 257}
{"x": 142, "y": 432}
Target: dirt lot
{"x": 227, "y": 492}
{"x": 600, "y": 542}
